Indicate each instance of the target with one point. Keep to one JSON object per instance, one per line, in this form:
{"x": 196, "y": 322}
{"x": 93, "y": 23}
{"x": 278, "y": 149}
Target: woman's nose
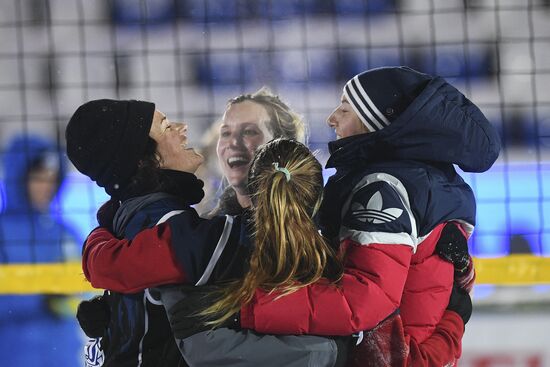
{"x": 181, "y": 127}
{"x": 331, "y": 121}
{"x": 235, "y": 140}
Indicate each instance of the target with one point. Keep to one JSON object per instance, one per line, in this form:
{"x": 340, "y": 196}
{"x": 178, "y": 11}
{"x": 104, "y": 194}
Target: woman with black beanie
{"x": 141, "y": 159}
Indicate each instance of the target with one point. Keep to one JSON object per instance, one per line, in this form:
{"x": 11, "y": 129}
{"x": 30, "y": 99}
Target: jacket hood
{"x": 439, "y": 125}
{"x": 21, "y": 153}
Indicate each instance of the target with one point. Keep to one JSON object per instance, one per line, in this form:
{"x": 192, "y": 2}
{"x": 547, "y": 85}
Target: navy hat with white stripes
{"x": 380, "y": 95}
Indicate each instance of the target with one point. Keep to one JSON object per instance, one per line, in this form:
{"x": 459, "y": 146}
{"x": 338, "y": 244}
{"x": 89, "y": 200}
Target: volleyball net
{"x": 191, "y": 56}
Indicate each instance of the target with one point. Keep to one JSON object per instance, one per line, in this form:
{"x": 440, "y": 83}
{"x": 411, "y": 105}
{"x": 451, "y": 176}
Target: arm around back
{"x": 128, "y": 266}
{"x": 359, "y": 301}
{"x": 184, "y": 249}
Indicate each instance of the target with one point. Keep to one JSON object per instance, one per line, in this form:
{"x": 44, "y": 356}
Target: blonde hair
{"x": 283, "y": 121}
{"x": 290, "y": 253}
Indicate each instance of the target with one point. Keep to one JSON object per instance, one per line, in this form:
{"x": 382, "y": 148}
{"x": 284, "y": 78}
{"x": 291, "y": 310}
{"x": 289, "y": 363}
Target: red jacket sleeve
{"x": 119, "y": 265}
{"x": 443, "y": 347}
{"x": 360, "y": 301}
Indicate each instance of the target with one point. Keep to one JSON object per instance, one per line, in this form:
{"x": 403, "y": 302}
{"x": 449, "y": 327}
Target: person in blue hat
{"x": 36, "y": 329}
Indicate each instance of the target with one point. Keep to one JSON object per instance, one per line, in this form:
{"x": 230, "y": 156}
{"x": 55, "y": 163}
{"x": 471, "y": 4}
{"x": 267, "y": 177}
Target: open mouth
{"x": 237, "y": 161}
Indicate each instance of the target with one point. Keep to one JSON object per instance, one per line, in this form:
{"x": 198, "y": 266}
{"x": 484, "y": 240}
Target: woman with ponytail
{"x": 286, "y": 185}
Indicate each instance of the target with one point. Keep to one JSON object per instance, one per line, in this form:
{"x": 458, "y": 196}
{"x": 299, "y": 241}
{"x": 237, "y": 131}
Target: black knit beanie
{"x": 380, "y": 95}
{"x": 106, "y": 139}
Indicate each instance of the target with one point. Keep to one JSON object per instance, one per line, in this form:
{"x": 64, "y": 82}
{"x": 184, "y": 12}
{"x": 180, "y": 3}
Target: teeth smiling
{"x": 237, "y": 160}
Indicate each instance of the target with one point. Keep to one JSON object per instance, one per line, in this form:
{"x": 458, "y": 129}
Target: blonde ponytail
{"x": 286, "y": 184}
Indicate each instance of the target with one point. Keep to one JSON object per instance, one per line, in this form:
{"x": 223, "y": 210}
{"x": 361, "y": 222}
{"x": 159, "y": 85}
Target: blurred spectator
{"x": 35, "y": 330}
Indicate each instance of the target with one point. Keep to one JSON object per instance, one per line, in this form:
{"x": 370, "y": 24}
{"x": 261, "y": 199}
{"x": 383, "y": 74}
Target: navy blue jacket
{"x": 385, "y": 206}
{"x": 440, "y": 128}
{"x": 138, "y": 331}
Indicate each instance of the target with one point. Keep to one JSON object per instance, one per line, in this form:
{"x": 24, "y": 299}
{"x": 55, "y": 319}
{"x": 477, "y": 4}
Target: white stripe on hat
{"x": 358, "y": 112}
{"x": 362, "y": 111}
{"x": 361, "y": 90}
{"x": 372, "y": 113}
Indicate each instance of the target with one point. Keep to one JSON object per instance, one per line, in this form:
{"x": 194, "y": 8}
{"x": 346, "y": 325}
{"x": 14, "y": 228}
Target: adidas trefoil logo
{"x": 374, "y": 212}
